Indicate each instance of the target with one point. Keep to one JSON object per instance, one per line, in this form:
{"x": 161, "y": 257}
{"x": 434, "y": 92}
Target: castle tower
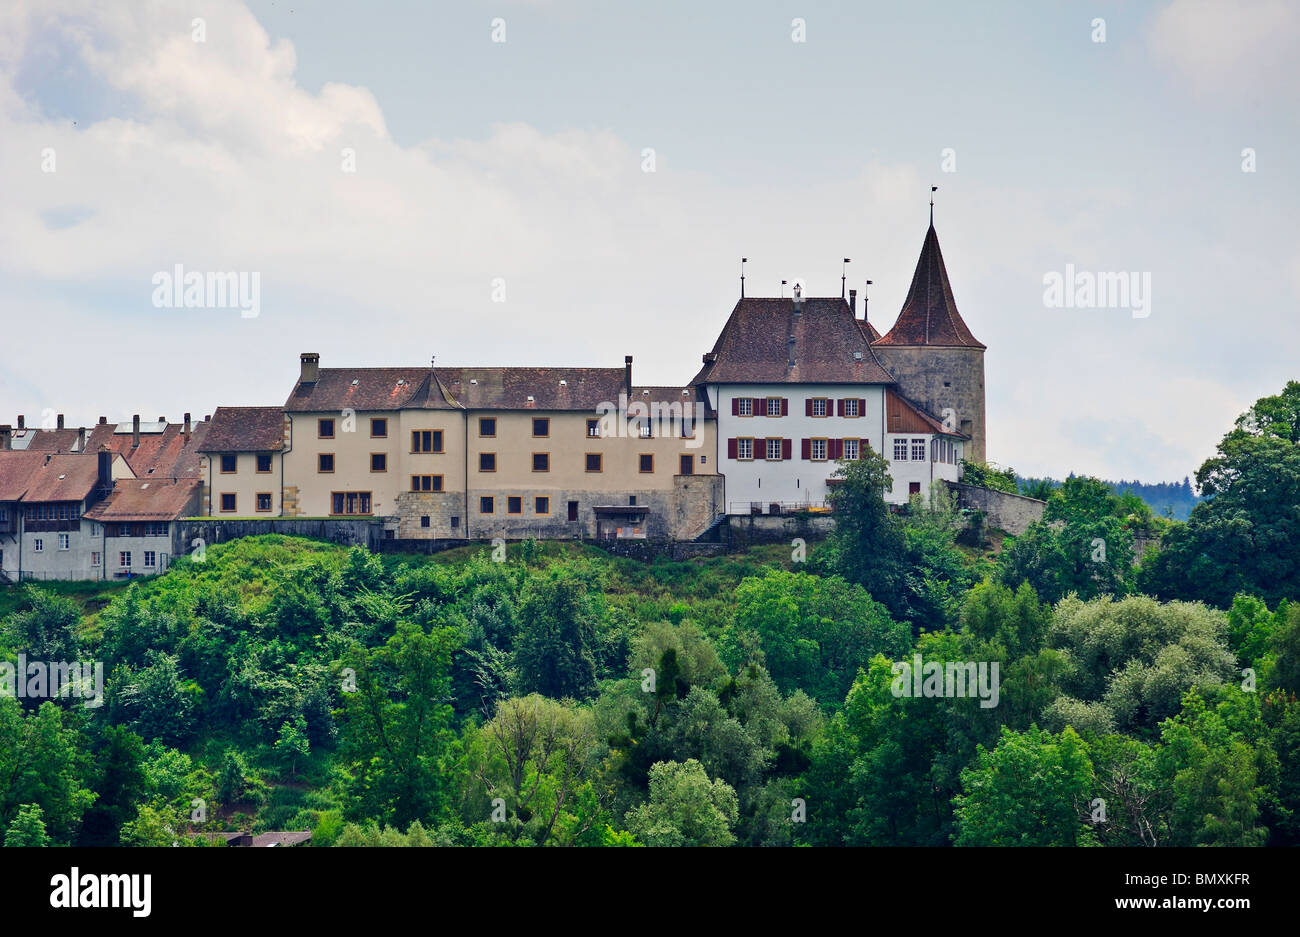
{"x": 933, "y": 355}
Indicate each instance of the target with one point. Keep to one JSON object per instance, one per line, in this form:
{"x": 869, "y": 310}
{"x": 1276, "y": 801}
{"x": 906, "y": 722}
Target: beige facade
{"x": 252, "y": 489}
{"x": 413, "y": 465}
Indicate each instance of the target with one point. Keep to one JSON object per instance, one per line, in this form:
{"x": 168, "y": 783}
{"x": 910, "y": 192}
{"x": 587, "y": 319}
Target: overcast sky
{"x": 480, "y": 163}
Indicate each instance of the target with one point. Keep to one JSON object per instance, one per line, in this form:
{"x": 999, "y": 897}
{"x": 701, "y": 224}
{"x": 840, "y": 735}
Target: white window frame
{"x": 773, "y": 406}
{"x": 150, "y": 559}
{"x": 918, "y": 449}
{"x": 823, "y": 403}
{"x": 65, "y": 541}
{"x": 94, "y": 559}
{"x": 852, "y": 449}
{"x": 124, "y": 559}
{"x": 38, "y": 545}
{"x": 742, "y": 444}
{"x": 817, "y": 449}
{"x": 851, "y": 404}
{"x": 773, "y": 441}
{"x": 900, "y": 449}
{"x": 745, "y": 406}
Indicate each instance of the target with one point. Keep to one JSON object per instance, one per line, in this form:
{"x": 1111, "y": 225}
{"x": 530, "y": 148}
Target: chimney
{"x": 798, "y": 299}
{"x": 6, "y": 431}
{"x": 627, "y": 375}
{"x": 22, "y": 421}
{"x": 135, "y": 431}
{"x": 81, "y": 439}
{"x": 60, "y": 418}
{"x": 187, "y": 427}
{"x": 105, "y": 469}
{"x": 310, "y": 373}
{"x": 103, "y": 420}
{"x": 162, "y": 419}
{"x": 853, "y": 303}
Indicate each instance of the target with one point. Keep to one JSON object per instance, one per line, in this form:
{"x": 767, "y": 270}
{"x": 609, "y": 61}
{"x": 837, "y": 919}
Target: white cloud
{"x": 211, "y": 155}
{"x": 1230, "y": 49}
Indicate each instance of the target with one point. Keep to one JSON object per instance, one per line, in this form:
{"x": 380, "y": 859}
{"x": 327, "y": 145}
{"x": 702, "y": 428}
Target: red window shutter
{"x": 785, "y": 448}
{"x": 807, "y": 407}
{"x": 862, "y": 406}
{"x": 836, "y": 447}
{"x": 805, "y": 449}
{"x": 731, "y": 448}
{"x": 760, "y": 406}
{"x": 839, "y": 407}
{"x": 785, "y": 406}
{"x": 735, "y": 406}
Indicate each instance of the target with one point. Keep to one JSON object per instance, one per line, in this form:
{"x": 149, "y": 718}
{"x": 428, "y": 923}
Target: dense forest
{"x": 551, "y": 694}
{"x": 1174, "y": 500}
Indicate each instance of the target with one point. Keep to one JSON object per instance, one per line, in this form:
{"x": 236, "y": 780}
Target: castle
{"x": 791, "y": 387}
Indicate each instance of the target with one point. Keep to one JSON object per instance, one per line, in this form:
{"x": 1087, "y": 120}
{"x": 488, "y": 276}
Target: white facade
{"x": 62, "y": 554}
{"x": 757, "y": 474}
{"x": 754, "y": 478}
{"x": 917, "y": 461}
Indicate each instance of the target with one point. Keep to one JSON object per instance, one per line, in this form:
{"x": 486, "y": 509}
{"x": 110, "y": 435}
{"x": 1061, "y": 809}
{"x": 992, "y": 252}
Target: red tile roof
{"x": 511, "y": 388}
{"x": 16, "y": 472}
{"x": 63, "y": 478}
{"x": 829, "y": 346}
{"x": 245, "y": 429}
{"x": 146, "y": 499}
{"x": 159, "y": 455}
{"x": 362, "y": 389}
{"x": 47, "y": 440}
{"x": 929, "y": 315}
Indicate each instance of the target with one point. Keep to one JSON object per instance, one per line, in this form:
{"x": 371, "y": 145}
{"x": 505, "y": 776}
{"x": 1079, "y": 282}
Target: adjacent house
{"x": 138, "y": 524}
{"x": 241, "y": 462}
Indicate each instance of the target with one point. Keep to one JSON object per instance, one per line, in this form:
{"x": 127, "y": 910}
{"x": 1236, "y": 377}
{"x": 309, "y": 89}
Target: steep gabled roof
{"x": 929, "y": 315}
{"x": 868, "y": 330}
{"x": 245, "y": 429}
{"x": 64, "y": 477}
{"x": 829, "y": 345}
{"x": 17, "y": 469}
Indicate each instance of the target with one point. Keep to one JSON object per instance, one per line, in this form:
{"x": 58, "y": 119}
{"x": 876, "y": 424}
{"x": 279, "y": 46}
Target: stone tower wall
{"x": 922, "y": 372}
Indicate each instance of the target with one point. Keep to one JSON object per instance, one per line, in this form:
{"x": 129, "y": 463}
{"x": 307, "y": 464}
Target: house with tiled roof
{"x": 801, "y": 384}
{"x": 48, "y": 497}
{"x": 511, "y": 452}
{"x": 138, "y": 523}
{"x": 241, "y": 461}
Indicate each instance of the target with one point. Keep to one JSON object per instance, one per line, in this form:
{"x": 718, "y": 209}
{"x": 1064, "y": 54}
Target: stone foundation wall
{"x": 1003, "y": 510}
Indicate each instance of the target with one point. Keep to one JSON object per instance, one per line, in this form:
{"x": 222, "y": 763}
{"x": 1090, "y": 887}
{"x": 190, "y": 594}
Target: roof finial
{"x": 843, "y": 273}
{"x": 933, "y": 189}
{"x": 743, "y": 261}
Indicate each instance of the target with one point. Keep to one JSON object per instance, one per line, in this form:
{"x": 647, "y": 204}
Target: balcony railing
{"x": 778, "y": 507}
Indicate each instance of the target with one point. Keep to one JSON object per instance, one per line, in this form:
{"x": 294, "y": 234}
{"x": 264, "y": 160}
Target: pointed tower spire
{"x": 929, "y": 315}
